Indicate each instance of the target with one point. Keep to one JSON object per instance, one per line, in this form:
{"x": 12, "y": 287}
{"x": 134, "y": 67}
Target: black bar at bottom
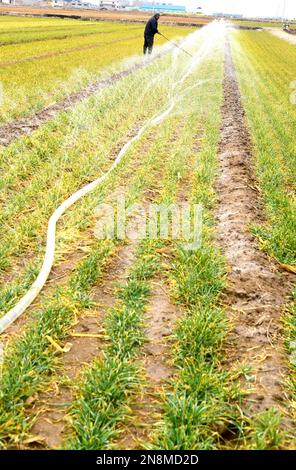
{"x": 135, "y": 459}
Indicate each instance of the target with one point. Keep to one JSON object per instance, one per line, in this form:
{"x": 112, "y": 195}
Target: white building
{"x": 112, "y": 4}
{"x": 57, "y": 3}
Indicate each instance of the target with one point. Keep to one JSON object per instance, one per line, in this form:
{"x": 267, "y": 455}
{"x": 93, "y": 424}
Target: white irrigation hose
{"x": 41, "y": 279}
{"x": 48, "y": 261}
{"x": 38, "y": 284}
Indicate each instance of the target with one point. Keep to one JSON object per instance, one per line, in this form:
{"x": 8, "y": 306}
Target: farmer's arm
{"x": 154, "y": 26}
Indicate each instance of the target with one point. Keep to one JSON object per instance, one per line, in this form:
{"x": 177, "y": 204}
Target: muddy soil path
{"x": 290, "y": 38}
{"x": 146, "y": 411}
{"x": 257, "y": 291}
{"x": 25, "y": 126}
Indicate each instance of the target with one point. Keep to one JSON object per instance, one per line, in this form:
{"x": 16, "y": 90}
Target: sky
{"x": 266, "y": 8}
{"x": 250, "y": 8}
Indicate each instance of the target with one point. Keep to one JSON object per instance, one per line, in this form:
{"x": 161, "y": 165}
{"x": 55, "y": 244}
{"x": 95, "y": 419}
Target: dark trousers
{"x": 148, "y": 44}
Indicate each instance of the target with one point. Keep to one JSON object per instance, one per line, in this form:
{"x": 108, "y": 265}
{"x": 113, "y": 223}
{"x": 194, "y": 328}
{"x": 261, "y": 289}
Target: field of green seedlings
{"x": 271, "y": 113}
{"x": 43, "y": 60}
{"x": 129, "y": 344}
{"x": 258, "y": 23}
{"x": 272, "y": 119}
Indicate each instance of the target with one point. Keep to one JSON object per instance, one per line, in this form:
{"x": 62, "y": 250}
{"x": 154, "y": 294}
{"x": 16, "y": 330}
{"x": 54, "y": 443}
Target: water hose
{"x": 176, "y": 45}
{"x": 48, "y": 261}
{"x": 41, "y": 279}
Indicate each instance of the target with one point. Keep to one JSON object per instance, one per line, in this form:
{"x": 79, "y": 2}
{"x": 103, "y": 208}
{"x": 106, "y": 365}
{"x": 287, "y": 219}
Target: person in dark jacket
{"x": 150, "y": 30}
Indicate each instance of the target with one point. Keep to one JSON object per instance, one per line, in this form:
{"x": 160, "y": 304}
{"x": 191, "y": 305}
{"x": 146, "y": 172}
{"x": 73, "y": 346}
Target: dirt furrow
{"x": 25, "y": 126}
{"x": 257, "y": 290}
{"x": 146, "y": 412}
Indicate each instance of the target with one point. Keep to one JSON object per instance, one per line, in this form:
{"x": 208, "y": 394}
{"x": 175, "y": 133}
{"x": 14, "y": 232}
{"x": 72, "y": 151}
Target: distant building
{"x": 70, "y": 3}
{"x": 112, "y": 4}
{"x": 163, "y": 7}
{"x": 228, "y": 15}
{"x": 57, "y": 3}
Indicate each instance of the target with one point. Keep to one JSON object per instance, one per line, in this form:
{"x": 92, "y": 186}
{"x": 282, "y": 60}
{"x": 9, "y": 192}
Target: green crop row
{"x": 29, "y": 51}
{"x": 110, "y": 384}
{"x": 202, "y": 399}
{"x": 271, "y": 118}
{"x": 32, "y": 353}
{"x": 62, "y": 156}
{"x": 33, "y": 368}
{"x": 41, "y": 29}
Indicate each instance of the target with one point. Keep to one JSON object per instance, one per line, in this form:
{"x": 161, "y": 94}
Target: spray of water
{"x": 200, "y": 44}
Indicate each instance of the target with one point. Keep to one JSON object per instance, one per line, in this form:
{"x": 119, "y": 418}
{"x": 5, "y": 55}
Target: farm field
{"x": 28, "y": 71}
{"x": 260, "y": 24}
{"x": 143, "y": 334}
{"x": 278, "y": 124}
{"x": 119, "y": 15}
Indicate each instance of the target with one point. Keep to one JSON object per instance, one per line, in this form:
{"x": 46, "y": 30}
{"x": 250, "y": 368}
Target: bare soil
{"x": 290, "y": 38}
{"x": 257, "y": 290}
{"x": 122, "y": 16}
{"x": 146, "y": 410}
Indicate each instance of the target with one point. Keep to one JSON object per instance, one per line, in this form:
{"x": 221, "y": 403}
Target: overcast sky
{"x": 246, "y": 7}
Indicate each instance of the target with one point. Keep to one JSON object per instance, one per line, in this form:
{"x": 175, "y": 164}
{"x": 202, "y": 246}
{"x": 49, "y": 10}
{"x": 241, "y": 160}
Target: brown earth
{"x": 257, "y": 290}
{"x": 290, "y": 38}
{"x": 146, "y": 411}
{"x": 128, "y": 16}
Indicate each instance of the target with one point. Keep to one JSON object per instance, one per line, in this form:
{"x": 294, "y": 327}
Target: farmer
{"x": 150, "y": 30}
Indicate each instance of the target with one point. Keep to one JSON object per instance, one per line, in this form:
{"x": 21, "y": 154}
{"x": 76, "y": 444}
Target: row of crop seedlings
{"x": 56, "y": 31}
{"x": 32, "y": 356}
{"x": 32, "y": 85}
{"x": 273, "y": 129}
{"x": 203, "y": 398}
{"x": 68, "y": 154}
{"x": 118, "y": 370}
{"x": 271, "y": 116}
{"x": 103, "y": 393}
